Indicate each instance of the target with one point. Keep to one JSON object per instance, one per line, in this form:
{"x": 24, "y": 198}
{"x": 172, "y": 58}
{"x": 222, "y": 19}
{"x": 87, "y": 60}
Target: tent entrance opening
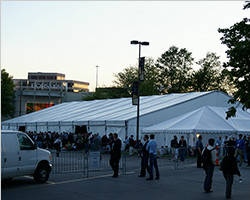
{"x": 81, "y": 129}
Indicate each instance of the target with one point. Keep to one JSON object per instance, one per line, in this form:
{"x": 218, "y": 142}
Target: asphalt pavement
{"x": 185, "y": 183}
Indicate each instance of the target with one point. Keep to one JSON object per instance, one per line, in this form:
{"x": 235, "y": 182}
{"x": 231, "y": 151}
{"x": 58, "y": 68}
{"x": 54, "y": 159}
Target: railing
{"x": 79, "y": 161}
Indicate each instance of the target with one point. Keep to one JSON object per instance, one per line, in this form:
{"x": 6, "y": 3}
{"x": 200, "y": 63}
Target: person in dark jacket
{"x": 115, "y": 154}
{"x": 199, "y": 148}
{"x": 174, "y": 147}
{"x": 144, "y": 158}
{"x": 248, "y": 151}
{"x": 182, "y": 148}
{"x": 229, "y": 168}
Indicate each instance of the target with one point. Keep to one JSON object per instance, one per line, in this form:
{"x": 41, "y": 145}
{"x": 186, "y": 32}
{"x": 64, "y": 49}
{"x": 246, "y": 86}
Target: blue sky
{"x": 73, "y": 37}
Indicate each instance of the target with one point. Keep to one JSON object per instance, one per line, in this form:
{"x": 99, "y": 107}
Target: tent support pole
{"x": 188, "y": 137}
{"x": 126, "y": 128}
{"x": 106, "y": 128}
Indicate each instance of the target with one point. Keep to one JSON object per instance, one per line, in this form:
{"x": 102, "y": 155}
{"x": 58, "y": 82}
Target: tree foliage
{"x": 107, "y": 93}
{"x": 149, "y": 86}
{"x": 237, "y": 39}
{"x": 247, "y": 5}
{"x": 7, "y": 94}
{"x": 209, "y": 76}
{"x": 175, "y": 69}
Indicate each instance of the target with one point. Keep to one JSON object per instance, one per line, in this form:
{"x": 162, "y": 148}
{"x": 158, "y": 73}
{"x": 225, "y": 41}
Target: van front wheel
{"x": 41, "y": 174}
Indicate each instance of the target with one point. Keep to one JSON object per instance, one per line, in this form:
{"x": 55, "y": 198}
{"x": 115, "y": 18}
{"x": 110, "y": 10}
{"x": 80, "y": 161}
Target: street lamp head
{"x": 134, "y": 42}
{"x": 145, "y": 43}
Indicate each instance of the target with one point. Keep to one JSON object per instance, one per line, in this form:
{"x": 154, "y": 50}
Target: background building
{"x": 43, "y": 90}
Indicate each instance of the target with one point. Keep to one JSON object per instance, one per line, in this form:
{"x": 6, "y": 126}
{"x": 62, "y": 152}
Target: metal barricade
{"x": 79, "y": 161}
{"x": 68, "y": 162}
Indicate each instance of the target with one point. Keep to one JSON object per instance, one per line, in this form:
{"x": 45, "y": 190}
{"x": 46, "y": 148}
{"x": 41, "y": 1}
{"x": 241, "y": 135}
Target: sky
{"x": 73, "y": 37}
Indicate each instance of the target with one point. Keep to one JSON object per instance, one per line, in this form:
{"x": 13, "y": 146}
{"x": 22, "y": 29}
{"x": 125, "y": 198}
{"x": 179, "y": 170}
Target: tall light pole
{"x": 138, "y": 89}
{"x": 96, "y": 77}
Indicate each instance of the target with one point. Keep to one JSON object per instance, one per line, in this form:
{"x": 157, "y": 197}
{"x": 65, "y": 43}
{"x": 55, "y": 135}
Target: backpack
{"x": 206, "y": 157}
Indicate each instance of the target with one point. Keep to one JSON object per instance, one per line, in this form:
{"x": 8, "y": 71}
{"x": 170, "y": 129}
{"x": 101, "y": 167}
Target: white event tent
{"x": 208, "y": 121}
{"x": 115, "y": 115}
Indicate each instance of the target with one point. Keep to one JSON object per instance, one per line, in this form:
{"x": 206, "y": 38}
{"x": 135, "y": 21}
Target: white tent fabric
{"x": 241, "y": 122}
{"x": 105, "y": 110}
{"x": 115, "y": 115}
{"x": 207, "y": 120}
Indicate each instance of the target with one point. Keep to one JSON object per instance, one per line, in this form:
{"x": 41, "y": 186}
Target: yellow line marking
{"x": 62, "y": 182}
{"x": 30, "y": 177}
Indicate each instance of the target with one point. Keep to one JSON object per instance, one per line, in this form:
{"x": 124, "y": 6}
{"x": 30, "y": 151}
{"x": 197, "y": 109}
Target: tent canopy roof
{"x": 105, "y": 110}
{"x": 207, "y": 119}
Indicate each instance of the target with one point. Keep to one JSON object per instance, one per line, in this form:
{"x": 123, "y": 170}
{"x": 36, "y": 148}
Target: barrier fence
{"x": 79, "y": 161}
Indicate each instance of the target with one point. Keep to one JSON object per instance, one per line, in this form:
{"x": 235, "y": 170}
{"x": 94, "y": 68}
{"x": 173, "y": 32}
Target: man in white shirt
{"x": 152, "y": 149}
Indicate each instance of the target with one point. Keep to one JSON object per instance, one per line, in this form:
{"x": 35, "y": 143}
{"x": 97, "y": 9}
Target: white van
{"x": 20, "y": 156}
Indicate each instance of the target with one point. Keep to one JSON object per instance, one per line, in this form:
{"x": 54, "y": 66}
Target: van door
{"x": 27, "y": 155}
{"x": 9, "y": 149}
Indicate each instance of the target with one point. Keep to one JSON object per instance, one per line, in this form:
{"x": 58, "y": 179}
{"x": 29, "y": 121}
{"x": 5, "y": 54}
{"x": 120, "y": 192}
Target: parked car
{"x": 20, "y": 156}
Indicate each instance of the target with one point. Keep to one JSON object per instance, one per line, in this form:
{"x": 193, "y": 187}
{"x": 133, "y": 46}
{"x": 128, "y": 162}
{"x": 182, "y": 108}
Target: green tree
{"x": 237, "y": 39}
{"x": 175, "y": 70}
{"x": 107, "y": 93}
{"x": 7, "y": 94}
{"x": 126, "y": 78}
{"x": 149, "y": 86}
{"x": 209, "y": 76}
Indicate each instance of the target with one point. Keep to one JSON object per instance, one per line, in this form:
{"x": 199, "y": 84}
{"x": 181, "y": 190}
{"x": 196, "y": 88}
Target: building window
{"x": 33, "y": 77}
{"x": 41, "y": 77}
{"x": 51, "y": 77}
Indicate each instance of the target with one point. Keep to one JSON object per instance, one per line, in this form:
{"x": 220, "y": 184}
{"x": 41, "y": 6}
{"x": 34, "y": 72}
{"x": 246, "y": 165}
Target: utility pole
{"x": 140, "y": 78}
{"x": 96, "y": 77}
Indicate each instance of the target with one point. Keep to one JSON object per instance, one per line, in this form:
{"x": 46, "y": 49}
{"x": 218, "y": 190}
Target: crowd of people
{"x": 240, "y": 145}
{"x": 178, "y": 149}
{"x": 233, "y": 150}
{"x": 71, "y": 141}
{"x": 233, "y": 153}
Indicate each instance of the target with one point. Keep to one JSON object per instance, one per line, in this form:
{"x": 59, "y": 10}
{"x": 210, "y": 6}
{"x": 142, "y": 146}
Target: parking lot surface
{"x": 178, "y": 184}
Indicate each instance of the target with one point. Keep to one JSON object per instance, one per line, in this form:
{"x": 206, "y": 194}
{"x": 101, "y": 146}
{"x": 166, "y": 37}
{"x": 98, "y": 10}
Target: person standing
{"x": 144, "y": 157}
{"x": 126, "y": 143}
{"x": 239, "y": 148}
{"x": 229, "y": 168}
{"x": 96, "y": 143}
{"x": 224, "y": 145}
{"x": 218, "y": 143}
{"x": 131, "y": 145}
{"x": 182, "y": 146}
{"x": 248, "y": 151}
{"x": 209, "y": 160}
{"x": 39, "y": 140}
{"x": 152, "y": 149}
{"x": 199, "y": 148}
{"x": 174, "y": 146}
{"x": 58, "y": 145}
{"x": 245, "y": 149}
{"x": 115, "y": 154}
